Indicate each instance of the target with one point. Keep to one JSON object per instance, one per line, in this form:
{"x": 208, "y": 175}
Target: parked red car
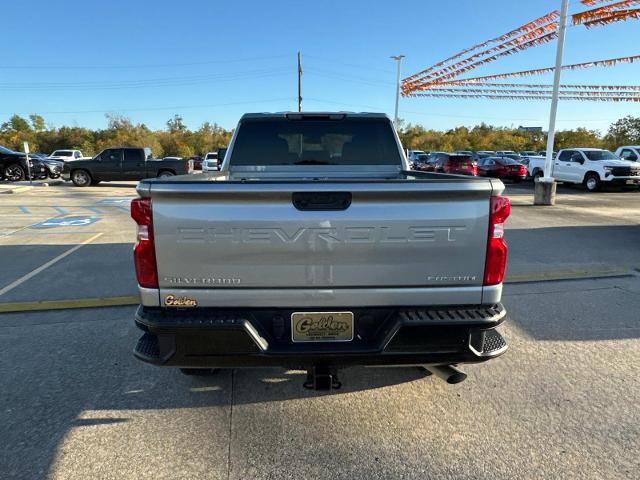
{"x": 502, "y": 167}
{"x": 457, "y": 164}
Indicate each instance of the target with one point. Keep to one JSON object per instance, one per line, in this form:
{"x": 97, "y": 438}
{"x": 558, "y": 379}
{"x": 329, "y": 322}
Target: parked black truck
{"x": 13, "y": 166}
{"x": 123, "y": 163}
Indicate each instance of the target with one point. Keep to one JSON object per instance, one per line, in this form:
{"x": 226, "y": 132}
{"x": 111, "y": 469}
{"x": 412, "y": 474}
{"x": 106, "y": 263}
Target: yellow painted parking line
{"x": 578, "y": 274}
{"x": 18, "y": 189}
{"x": 68, "y": 304}
{"x": 33, "y": 273}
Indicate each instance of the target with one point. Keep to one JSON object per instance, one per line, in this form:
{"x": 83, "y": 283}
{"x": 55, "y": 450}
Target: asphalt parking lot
{"x": 561, "y": 403}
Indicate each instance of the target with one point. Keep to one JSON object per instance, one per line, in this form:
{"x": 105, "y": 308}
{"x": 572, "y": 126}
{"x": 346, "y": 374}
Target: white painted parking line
{"x": 33, "y": 273}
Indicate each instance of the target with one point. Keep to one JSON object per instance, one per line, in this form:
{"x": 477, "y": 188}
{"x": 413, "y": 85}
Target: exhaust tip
{"x": 448, "y": 373}
{"x": 458, "y": 377}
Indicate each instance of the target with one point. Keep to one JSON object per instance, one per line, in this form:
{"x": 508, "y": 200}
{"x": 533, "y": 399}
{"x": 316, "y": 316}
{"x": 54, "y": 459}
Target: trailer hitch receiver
{"x": 322, "y": 378}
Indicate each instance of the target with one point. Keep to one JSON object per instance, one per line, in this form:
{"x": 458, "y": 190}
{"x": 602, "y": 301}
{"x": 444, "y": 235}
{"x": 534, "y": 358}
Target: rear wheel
{"x": 199, "y": 372}
{"x": 537, "y": 174}
{"x": 14, "y": 173}
{"x": 81, "y": 178}
{"x": 592, "y": 182}
{"x": 165, "y": 174}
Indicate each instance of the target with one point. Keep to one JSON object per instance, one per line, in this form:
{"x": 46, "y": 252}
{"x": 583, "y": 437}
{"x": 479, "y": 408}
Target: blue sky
{"x": 73, "y": 60}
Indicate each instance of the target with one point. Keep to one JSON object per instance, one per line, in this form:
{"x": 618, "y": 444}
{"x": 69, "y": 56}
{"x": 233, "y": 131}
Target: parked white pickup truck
{"x": 66, "y": 155}
{"x": 594, "y": 167}
{"x": 631, "y": 153}
{"x": 316, "y": 247}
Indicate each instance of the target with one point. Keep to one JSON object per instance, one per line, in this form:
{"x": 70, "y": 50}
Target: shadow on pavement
{"x": 93, "y": 188}
{"x": 581, "y": 247}
{"x": 73, "y": 373}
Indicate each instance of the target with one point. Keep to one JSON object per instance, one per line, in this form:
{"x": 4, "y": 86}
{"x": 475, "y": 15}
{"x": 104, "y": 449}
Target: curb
{"x": 18, "y": 189}
{"x": 69, "y": 304}
{"x": 579, "y": 274}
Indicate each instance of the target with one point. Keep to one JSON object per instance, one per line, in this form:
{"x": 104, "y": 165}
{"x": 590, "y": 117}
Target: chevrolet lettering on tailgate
{"x": 329, "y": 235}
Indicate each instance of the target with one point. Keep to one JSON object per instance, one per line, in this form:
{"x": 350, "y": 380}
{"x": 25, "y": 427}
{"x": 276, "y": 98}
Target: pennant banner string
{"x": 538, "y": 41}
{"x": 536, "y": 85}
{"x": 549, "y": 17}
{"x": 538, "y": 71}
{"x": 614, "y": 17}
{"x": 582, "y": 17}
{"x": 531, "y": 97}
{"x": 529, "y": 92}
{"x": 532, "y": 35}
{"x": 595, "y": 2}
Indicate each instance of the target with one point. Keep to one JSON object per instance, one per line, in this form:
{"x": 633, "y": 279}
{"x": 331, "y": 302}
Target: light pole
{"x": 545, "y": 188}
{"x": 397, "y": 58}
{"x": 299, "y": 82}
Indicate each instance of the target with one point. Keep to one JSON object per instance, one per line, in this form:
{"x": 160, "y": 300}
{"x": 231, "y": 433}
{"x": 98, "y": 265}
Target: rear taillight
{"x": 144, "y": 254}
{"x": 496, "y": 247}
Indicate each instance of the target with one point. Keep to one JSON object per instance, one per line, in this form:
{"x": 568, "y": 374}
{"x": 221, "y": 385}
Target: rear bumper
{"x": 211, "y": 337}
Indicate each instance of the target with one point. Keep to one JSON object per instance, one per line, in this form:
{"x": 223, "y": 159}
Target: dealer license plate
{"x": 322, "y": 326}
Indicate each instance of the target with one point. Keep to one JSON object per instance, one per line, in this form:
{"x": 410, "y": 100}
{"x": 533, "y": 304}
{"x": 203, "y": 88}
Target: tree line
{"x": 625, "y": 131}
{"x": 178, "y": 140}
{"x": 175, "y": 140}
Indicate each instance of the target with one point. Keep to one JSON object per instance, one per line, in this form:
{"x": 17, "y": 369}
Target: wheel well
{"x": 169, "y": 170}
{"x": 81, "y": 169}
{"x": 589, "y": 173}
{"x": 3, "y": 169}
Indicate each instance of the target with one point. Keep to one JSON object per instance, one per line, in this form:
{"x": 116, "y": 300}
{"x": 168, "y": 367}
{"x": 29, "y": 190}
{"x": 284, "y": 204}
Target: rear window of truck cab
{"x": 304, "y": 141}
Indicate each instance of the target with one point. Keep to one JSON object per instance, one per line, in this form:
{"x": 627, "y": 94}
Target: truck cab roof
{"x": 312, "y": 115}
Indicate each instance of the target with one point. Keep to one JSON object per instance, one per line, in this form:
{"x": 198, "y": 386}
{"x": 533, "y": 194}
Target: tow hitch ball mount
{"x": 322, "y": 378}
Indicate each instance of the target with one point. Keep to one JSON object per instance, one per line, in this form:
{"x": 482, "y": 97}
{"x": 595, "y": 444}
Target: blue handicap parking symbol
{"x": 78, "y": 221}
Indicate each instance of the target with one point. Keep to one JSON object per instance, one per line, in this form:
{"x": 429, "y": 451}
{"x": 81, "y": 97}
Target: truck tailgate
{"x": 393, "y": 234}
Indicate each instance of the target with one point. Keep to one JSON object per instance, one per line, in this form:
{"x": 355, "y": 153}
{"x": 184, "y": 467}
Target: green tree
{"x": 37, "y": 122}
{"x": 176, "y": 124}
{"x": 580, "y": 137}
{"x": 625, "y": 131}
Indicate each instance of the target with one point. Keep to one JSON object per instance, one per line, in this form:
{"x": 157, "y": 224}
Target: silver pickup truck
{"x": 315, "y": 247}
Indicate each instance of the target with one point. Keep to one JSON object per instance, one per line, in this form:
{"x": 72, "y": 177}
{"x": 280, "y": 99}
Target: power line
{"x": 145, "y": 83}
{"x": 339, "y": 62}
{"x": 149, "y": 109}
{"x": 348, "y": 78}
{"x": 137, "y": 66}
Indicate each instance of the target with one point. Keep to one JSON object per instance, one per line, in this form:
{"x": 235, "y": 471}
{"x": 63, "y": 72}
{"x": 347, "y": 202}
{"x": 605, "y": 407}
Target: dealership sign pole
{"x": 556, "y": 90}
{"x": 545, "y": 188}
{"x": 397, "y": 58}
{"x": 26, "y": 153}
